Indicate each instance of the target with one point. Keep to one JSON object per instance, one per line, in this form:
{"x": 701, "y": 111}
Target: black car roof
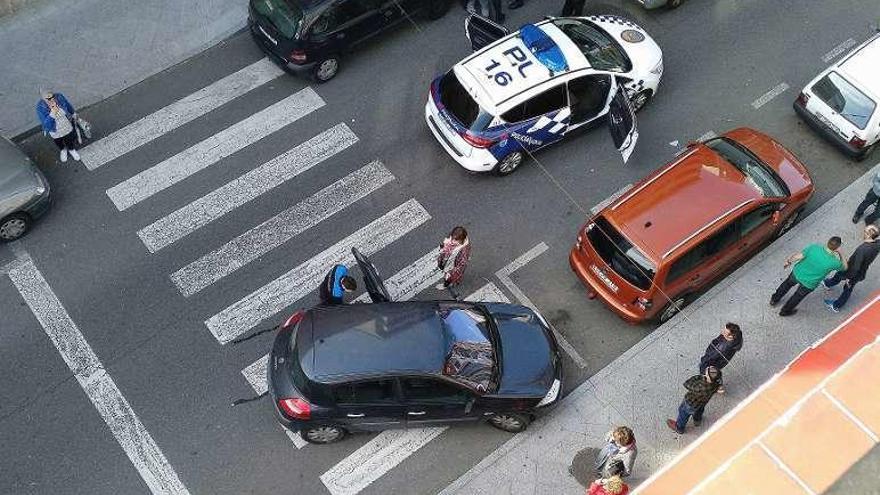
{"x": 336, "y": 343}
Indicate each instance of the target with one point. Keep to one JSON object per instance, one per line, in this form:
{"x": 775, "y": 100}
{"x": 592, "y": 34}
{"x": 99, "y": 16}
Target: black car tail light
{"x": 295, "y": 408}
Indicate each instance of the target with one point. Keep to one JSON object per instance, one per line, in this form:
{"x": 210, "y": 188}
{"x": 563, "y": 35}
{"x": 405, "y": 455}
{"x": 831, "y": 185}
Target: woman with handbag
{"x": 455, "y": 251}
{"x": 58, "y": 119}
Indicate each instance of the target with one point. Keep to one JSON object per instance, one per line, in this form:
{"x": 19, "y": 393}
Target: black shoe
{"x": 514, "y": 4}
{"x": 856, "y": 217}
{"x": 788, "y": 313}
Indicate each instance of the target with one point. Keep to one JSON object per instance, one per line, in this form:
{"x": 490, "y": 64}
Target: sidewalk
{"x": 92, "y": 49}
{"x": 642, "y": 387}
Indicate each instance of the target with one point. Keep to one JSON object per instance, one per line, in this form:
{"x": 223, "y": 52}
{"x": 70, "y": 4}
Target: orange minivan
{"x": 650, "y": 252}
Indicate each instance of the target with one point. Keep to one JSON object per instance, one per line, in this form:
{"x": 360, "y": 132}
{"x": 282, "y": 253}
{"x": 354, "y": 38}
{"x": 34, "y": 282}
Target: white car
{"x": 520, "y": 92}
{"x": 841, "y": 102}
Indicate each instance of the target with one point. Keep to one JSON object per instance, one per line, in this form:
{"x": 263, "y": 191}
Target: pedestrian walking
{"x": 700, "y": 389}
{"x": 57, "y": 118}
{"x": 721, "y": 350}
{"x": 811, "y": 266}
{"x": 620, "y": 445}
{"x": 856, "y": 268}
{"x": 455, "y": 251}
{"x": 612, "y": 484}
{"x": 335, "y": 285}
{"x": 872, "y": 197}
{"x": 573, "y": 8}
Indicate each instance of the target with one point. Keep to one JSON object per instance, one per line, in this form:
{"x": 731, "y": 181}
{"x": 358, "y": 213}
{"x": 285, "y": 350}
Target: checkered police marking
{"x": 613, "y": 19}
{"x": 559, "y": 122}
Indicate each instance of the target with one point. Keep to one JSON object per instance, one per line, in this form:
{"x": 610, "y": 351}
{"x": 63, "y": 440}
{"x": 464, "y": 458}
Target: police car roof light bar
{"x": 543, "y": 48}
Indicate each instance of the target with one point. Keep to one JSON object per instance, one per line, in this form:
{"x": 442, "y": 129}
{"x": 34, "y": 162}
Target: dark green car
{"x": 24, "y": 192}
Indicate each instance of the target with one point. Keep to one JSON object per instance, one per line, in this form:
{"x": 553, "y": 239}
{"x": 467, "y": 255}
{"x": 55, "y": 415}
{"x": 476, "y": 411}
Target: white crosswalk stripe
{"x": 293, "y": 285}
{"x": 210, "y": 151}
{"x": 185, "y": 110}
{"x": 281, "y": 228}
{"x": 230, "y": 196}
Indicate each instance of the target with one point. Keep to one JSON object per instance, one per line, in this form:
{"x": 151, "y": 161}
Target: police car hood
{"x": 643, "y": 51}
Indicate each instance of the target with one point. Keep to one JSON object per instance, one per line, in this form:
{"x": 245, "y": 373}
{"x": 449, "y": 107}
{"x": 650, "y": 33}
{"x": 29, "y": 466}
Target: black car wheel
{"x": 322, "y": 434}
{"x": 674, "y": 4}
{"x": 509, "y": 422}
{"x": 509, "y": 163}
{"x": 326, "y": 69}
{"x": 437, "y": 8}
{"x": 672, "y": 309}
{"x": 14, "y": 226}
{"x": 640, "y": 99}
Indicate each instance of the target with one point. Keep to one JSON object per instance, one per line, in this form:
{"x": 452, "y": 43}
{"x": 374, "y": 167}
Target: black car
{"x": 369, "y": 367}
{"x": 308, "y": 36}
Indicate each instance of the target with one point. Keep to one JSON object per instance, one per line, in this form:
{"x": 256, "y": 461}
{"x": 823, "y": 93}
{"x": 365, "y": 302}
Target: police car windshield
{"x": 845, "y": 99}
{"x": 461, "y": 105}
{"x": 284, "y": 15}
{"x": 601, "y": 50}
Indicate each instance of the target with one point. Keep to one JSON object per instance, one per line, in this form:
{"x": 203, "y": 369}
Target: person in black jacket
{"x": 857, "y": 268}
{"x": 721, "y": 350}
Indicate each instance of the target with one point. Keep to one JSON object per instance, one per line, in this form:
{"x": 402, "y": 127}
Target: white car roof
{"x": 483, "y": 87}
{"x": 861, "y": 66}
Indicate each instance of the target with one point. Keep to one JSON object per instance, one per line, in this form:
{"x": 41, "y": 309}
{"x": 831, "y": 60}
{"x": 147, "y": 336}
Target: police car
{"x": 841, "y": 102}
{"x": 520, "y": 92}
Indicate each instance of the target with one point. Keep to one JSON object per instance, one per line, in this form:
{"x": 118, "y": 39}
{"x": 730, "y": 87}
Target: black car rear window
{"x": 284, "y": 15}
{"x": 845, "y": 99}
{"x": 460, "y": 104}
{"x": 620, "y": 254}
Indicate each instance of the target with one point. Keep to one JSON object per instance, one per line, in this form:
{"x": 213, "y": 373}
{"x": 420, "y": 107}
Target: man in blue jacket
{"x": 335, "y": 285}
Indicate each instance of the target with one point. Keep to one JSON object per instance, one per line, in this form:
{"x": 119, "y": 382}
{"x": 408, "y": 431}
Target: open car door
{"x": 372, "y": 281}
{"x": 481, "y": 31}
{"x": 622, "y": 121}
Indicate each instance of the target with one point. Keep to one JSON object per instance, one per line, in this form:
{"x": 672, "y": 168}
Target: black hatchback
{"x": 308, "y": 36}
{"x": 368, "y": 367}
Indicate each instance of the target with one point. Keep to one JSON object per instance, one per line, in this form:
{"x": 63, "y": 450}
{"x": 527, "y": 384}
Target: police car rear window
{"x": 460, "y": 104}
{"x": 845, "y": 99}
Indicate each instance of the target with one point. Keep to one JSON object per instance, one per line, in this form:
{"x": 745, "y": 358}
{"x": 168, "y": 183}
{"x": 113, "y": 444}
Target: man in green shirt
{"x": 811, "y": 266}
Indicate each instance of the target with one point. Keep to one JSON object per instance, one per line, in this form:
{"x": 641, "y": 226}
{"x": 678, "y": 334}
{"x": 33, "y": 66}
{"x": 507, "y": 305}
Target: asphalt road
{"x": 719, "y": 58}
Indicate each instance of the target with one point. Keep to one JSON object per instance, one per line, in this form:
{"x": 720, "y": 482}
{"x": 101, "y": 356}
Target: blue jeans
{"x": 685, "y": 411}
{"x": 847, "y": 288}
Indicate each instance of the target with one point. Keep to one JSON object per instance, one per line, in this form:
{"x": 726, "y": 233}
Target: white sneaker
{"x": 74, "y": 154}
{"x": 64, "y": 155}
{"x": 440, "y": 286}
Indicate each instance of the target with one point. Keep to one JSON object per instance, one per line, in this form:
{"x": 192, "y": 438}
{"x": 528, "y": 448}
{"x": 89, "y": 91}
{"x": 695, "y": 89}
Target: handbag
{"x": 84, "y": 126}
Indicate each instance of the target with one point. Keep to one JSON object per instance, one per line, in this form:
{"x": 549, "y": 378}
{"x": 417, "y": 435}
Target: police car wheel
{"x": 640, "y": 99}
{"x": 509, "y": 163}
{"x": 326, "y": 69}
{"x": 674, "y": 3}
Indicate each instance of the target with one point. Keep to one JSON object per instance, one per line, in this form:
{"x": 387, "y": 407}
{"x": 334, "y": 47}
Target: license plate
{"x": 828, "y": 124}
{"x": 604, "y": 278}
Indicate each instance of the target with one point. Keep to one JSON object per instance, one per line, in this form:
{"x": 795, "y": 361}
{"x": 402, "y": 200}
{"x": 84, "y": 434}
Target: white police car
{"x": 520, "y": 92}
{"x": 841, "y": 102}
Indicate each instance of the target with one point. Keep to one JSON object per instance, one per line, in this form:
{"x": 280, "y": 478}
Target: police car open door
{"x": 481, "y": 32}
{"x": 622, "y": 121}
{"x": 372, "y": 281}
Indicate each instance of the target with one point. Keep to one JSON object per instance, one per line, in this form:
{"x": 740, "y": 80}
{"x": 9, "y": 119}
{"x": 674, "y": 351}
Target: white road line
{"x": 504, "y": 276}
{"x": 125, "y": 425}
{"x": 185, "y": 110}
{"x": 281, "y": 228}
{"x": 769, "y": 95}
{"x": 215, "y": 148}
{"x": 293, "y": 285}
{"x": 237, "y": 192}
{"x": 416, "y": 277}
{"x": 391, "y": 447}
{"x": 375, "y": 458}
{"x": 610, "y": 199}
{"x": 255, "y": 374}
{"x": 707, "y": 136}
{"x": 837, "y": 50}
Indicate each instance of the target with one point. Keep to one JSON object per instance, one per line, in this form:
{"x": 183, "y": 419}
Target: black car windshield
{"x": 601, "y": 50}
{"x": 619, "y": 253}
{"x": 461, "y": 105}
{"x": 757, "y": 174}
{"x": 285, "y": 15}
{"x": 470, "y": 354}
{"x": 845, "y": 99}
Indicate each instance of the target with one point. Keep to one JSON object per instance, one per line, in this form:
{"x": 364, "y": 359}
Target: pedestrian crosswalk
{"x": 174, "y": 228}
